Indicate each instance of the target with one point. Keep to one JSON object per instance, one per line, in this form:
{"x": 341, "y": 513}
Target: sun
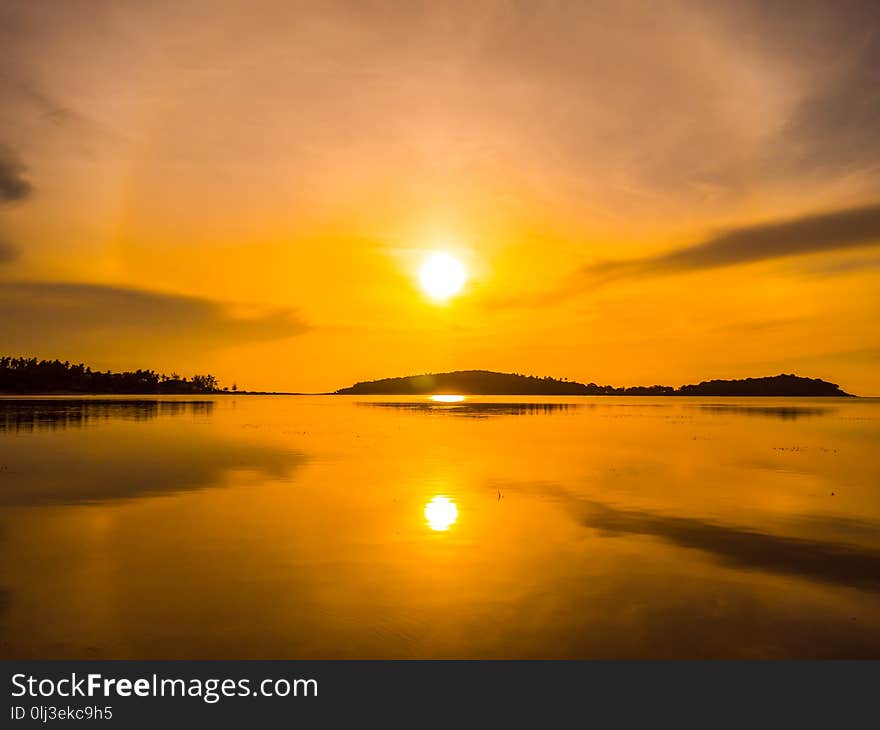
{"x": 441, "y": 513}
{"x": 442, "y": 276}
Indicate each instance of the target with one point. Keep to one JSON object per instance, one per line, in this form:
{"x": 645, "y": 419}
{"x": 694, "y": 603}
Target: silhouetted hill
{"x": 777, "y": 385}
{"x": 467, "y": 382}
{"x": 485, "y": 382}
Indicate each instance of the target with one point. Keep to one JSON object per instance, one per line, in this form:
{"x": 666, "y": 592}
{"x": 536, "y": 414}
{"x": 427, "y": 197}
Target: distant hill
{"x": 467, "y": 382}
{"x": 777, "y": 385}
{"x": 486, "y": 382}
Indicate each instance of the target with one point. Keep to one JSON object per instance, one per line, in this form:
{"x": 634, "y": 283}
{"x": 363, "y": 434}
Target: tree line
{"x": 23, "y": 375}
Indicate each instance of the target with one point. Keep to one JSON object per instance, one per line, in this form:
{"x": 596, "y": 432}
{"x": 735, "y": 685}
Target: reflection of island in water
{"x": 485, "y": 382}
{"x": 49, "y": 414}
{"x": 472, "y": 409}
{"x": 786, "y": 413}
{"x": 65, "y": 463}
{"x": 461, "y": 406}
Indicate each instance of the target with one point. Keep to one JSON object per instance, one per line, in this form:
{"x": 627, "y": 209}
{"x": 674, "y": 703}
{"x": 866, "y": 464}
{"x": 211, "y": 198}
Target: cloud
{"x": 14, "y": 186}
{"x": 50, "y": 318}
{"x": 833, "y": 130}
{"x": 26, "y": 99}
{"x": 8, "y": 252}
{"x": 840, "y": 265}
{"x": 840, "y": 229}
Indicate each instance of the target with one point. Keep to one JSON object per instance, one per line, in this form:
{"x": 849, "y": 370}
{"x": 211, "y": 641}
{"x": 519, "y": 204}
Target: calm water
{"x": 326, "y": 527}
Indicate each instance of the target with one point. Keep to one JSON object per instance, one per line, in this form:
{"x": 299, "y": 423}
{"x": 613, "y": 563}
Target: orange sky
{"x": 641, "y": 192}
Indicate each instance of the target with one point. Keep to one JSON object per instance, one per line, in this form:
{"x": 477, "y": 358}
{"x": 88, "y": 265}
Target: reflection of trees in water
{"x": 112, "y": 462}
{"x": 30, "y": 415}
{"x": 479, "y": 410}
{"x": 786, "y": 413}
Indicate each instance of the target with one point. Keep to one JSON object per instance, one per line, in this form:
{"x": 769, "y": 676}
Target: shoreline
{"x": 72, "y": 394}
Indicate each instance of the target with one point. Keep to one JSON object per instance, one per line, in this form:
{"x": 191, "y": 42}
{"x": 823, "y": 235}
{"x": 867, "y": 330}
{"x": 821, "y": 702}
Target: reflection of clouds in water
{"x": 786, "y": 413}
{"x": 840, "y": 564}
{"x": 99, "y": 466}
{"x": 48, "y": 414}
{"x": 475, "y": 410}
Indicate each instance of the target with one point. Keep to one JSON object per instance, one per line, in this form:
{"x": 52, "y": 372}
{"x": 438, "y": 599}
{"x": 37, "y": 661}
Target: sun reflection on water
{"x": 441, "y": 513}
{"x": 447, "y": 398}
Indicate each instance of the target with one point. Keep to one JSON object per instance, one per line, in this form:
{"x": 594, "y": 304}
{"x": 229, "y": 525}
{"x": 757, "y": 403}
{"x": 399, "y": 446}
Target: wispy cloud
{"x": 836, "y": 230}
{"x": 839, "y": 230}
{"x": 833, "y": 130}
{"x": 48, "y": 317}
{"x": 14, "y": 186}
{"x": 8, "y": 252}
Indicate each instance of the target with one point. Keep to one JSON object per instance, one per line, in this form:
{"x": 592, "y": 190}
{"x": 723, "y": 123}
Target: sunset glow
{"x": 624, "y": 195}
{"x": 444, "y": 330}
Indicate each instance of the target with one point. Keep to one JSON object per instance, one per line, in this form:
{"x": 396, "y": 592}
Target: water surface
{"x": 346, "y": 527}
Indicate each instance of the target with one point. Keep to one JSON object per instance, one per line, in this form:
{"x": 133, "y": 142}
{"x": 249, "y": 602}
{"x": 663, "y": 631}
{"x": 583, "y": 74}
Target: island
{"x": 486, "y": 382}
